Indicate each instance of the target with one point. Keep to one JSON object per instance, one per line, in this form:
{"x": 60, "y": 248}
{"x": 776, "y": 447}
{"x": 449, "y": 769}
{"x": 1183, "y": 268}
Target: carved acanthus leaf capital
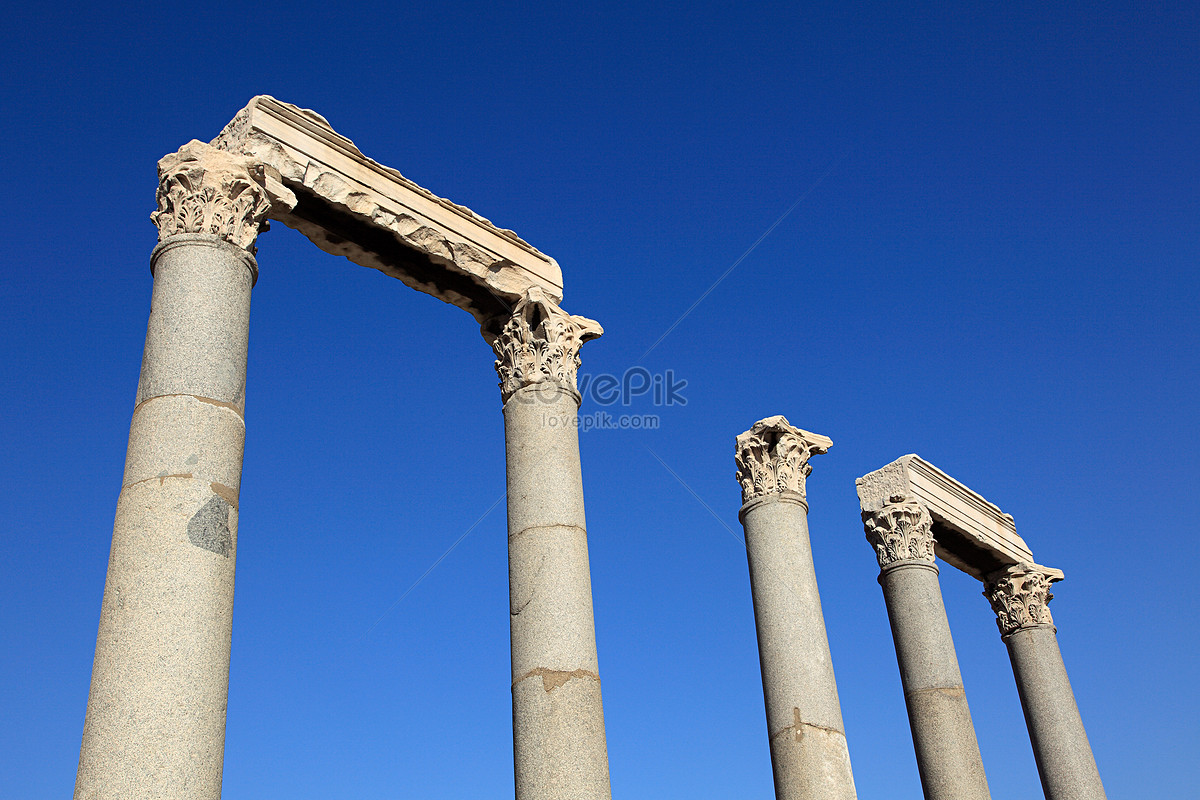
{"x": 202, "y": 189}
{"x": 1020, "y": 596}
{"x": 772, "y": 457}
{"x": 900, "y": 531}
{"x": 540, "y": 342}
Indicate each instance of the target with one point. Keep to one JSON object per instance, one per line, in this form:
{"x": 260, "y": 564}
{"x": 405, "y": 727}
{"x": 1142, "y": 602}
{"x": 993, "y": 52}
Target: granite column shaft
{"x": 809, "y": 756}
{"x": 947, "y": 751}
{"x": 1064, "y": 757}
{"x": 155, "y": 724}
{"x": 559, "y": 744}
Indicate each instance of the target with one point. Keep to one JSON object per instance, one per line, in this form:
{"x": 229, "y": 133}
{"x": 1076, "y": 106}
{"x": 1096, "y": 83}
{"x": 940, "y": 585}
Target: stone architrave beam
{"x": 352, "y": 206}
{"x": 971, "y": 533}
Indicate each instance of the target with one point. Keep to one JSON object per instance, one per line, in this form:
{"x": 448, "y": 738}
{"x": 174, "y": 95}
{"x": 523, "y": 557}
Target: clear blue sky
{"x": 992, "y": 264}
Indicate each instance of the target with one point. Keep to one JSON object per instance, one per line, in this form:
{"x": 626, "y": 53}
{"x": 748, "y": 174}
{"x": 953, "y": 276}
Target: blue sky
{"x": 992, "y": 263}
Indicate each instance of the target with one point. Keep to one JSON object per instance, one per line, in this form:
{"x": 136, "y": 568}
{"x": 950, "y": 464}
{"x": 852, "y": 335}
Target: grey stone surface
{"x": 199, "y": 321}
{"x": 550, "y": 601}
{"x": 944, "y": 740}
{"x": 185, "y": 435}
{"x": 1060, "y": 744}
{"x": 811, "y": 762}
{"x": 920, "y": 628}
{"x": 542, "y": 451}
{"x": 558, "y": 739}
{"x": 943, "y": 735}
{"x": 804, "y": 719}
{"x": 155, "y": 723}
{"x": 558, "y": 717}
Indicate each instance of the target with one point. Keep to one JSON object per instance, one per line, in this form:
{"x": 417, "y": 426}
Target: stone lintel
{"x": 352, "y": 206}
{"x": 971, "y": 533}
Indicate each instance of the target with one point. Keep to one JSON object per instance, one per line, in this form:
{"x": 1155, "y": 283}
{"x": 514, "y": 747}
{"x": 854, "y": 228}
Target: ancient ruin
{"x": 913, "y": 514}
{"x": 155, "y": 722}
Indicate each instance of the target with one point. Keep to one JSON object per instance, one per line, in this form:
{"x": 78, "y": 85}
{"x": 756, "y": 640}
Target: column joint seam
{"x": 227, "y": 493}
{"x": 792, "y": 728}
{"x": 531, "y": 528}
{"x": 959, "y": 689}
{"x": 209, "y": 400}
{"x": 553, "y": 678}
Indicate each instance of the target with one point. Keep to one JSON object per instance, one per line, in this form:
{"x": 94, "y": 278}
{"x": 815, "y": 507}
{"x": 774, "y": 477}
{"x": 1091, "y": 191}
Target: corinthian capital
{"x": 900, "y": 531}
{"x": 772, "y": 457}
{"x": 202, "y": 189}
{"x": 1020, "y": 596}
{"x": 540, "y": 342}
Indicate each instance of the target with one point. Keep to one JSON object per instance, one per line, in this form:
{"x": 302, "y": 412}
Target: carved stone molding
{"x": 974, "y": 535}
{"x": 202, "y": 189}
{"x": 900, "y": 531}
{"x": 1020, "y": 596}
{"x": 352, "y": 206}
{"x": 772, "y": 457}
{"x": 540, "y": 342}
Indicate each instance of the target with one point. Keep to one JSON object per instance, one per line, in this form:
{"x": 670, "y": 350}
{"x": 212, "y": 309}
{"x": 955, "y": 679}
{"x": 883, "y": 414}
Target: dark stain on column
{"x": 209, "y": 527}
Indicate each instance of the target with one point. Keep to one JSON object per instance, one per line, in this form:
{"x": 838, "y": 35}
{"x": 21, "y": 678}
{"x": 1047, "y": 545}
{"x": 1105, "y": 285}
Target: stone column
{"x": 943, "y": 735}
{"x": 558, "y": 719}
{"x": 155, "y": 724}
{"x": 807, "y": 738}
{"x": 1020, "y": 596}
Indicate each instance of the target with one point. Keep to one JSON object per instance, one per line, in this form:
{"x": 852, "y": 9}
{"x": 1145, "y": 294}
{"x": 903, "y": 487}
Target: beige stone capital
{"x": 900, "y": 531}
{"x": 202, "y": 189}
{"x": 772, "y": 458}
{"x": 1020, "y": 596}
{"x": 540, "y": 342}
